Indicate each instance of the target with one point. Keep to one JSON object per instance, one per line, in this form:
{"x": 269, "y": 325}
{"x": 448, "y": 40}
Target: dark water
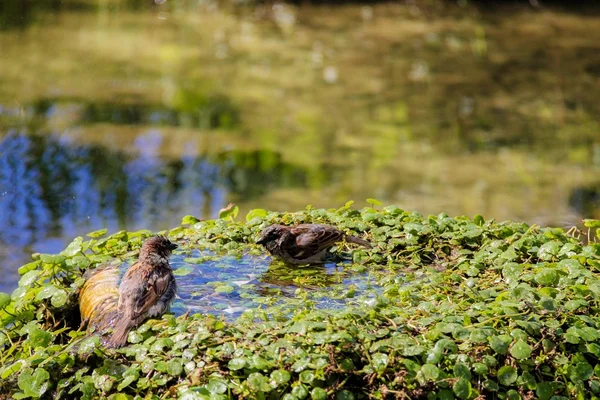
{"x": 132, "y": 114}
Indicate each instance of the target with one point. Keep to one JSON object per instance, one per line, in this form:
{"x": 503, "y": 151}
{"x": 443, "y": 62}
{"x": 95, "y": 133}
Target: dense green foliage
{"x": 454, "y": 308}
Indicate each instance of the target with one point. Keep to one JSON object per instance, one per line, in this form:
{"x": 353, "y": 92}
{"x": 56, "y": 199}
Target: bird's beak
{"x": 173, "y": 246}
{"x": 262, "y": 240}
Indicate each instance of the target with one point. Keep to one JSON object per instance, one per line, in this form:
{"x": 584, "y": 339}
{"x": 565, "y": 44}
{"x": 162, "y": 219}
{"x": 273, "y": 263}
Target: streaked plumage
{"x": 304, "y": 243}
{"x": 146, "y": 290}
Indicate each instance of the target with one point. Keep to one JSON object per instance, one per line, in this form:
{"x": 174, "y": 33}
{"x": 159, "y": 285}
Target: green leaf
{"x": 462, "y": 388}
{"x": 174, "y": 367}
{"x": 224, "y": 289}
{"x": 280, "y": 377}
{"x": 256, "y": 213}
{"x": 318, "y": 394}
{"x": 34, "y": 384}
{"x": 500, "y": 343}
{"x": 4, "y": 300}
{"x": 507, "y": 375}
{"x": 97, "y": 234}
{"x": 11, "y": 369}
{"x": 28, "y": 279}
{"x": 236, "y": 364}
{"x": 183, "y": 271}
{"x": 53, "y": 259}
{"x": 549, "y": 250}
{"x": 478, "y": 219}
{"x": 374, "y": 202}
{"x": 307, "y": 376}
{"x": 29, "y": 267}
{"x": 430, "y": 372}
{"x": 189, "y": 220}
{"x": 580, "y": 371}
{"x": 344, "y": 395}
{"x": 231, "y": 211}
{"x": 258, "y": 382}
{"x": 544, "y": 390}
{"x": 520, "y": 350}
{"x": 216, "y": 386}
{"x": 462, "y": 371}
{"x": 300, "y": 391}
{"x": 591, "y": 223}
{"x": 39, "y": 337}
{"x": 547, "y": 277}
{"x": 380, "y": 361}
{"x": 73, "y": 248}
{"x": 88, "y": 345}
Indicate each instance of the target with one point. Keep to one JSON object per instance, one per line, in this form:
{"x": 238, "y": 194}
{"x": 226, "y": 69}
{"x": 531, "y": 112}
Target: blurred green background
{"x": 130, "y": 114}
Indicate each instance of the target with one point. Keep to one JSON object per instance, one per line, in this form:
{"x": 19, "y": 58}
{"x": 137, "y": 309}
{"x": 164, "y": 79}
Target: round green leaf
{"x": 216, "y": 386}
{"x": 462, "y": 371}
{"x": 430, "y": 372}
{"x": 236, "y": 364}
{"x": 507, "y": 375}
{"x": 307, "y": 376}
{"x": 520, "y": 350}
{"x": 547, "y": 277}
{"x": 300, "y": 392}
{"x": 318, "y": 394}
{"x": 500, "y": 343}
{"x": 580, "y": 371}
{"x": 174, "y": 367}
{"x": 258, "y": 382}
{"x": 462, "y": 388}
{"x": 280, "y": 377}
{"x": 544, "y": 390}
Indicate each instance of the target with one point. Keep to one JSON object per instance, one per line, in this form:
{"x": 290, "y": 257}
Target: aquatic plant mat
{"x": 440, "y": 308}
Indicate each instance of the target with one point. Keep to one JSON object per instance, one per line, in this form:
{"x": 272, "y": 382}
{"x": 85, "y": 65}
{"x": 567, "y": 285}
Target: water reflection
{"x": 228, "y": 285}
{"x": 52, "y": 190}
{"x": 140, "y": 112}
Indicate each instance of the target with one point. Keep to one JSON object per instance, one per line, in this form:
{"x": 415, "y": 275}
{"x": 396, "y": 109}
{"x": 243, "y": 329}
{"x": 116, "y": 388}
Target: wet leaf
{"x": 183, "y": 271}
{"x": 34, "y": 383}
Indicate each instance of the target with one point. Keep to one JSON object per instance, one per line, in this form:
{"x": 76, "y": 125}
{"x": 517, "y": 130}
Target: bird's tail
{"x": 354, "y": 239}
{"x": 119, "y": 335}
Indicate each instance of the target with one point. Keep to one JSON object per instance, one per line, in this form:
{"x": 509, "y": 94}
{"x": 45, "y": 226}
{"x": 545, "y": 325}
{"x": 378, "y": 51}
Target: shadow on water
{"x": 52, "y": 190}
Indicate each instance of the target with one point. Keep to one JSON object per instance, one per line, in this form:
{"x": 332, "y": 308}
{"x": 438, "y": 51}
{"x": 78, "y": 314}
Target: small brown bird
{"x": 147, "y": 289}
{"x": 305, "y": 243}
{"x": 98, "y": 298}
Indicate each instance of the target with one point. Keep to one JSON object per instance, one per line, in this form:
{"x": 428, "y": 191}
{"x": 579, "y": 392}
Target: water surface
{"x": 130, "y": 115}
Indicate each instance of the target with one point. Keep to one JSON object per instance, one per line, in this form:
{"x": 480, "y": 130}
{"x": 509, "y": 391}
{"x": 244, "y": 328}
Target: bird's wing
{"x": 313, "y": 238}
{"x": 148, "y": 294}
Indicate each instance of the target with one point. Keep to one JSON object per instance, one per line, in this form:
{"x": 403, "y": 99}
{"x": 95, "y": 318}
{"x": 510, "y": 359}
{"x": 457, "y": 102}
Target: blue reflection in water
{"x": 52, "y": 191}
{"x": 229, "y": 285}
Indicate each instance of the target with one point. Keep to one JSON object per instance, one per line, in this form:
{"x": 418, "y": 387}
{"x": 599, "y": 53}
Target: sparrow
{"x": 304, "y": 243}
{"x": 98, "y": 298}
{"x": 146, "y": 290}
